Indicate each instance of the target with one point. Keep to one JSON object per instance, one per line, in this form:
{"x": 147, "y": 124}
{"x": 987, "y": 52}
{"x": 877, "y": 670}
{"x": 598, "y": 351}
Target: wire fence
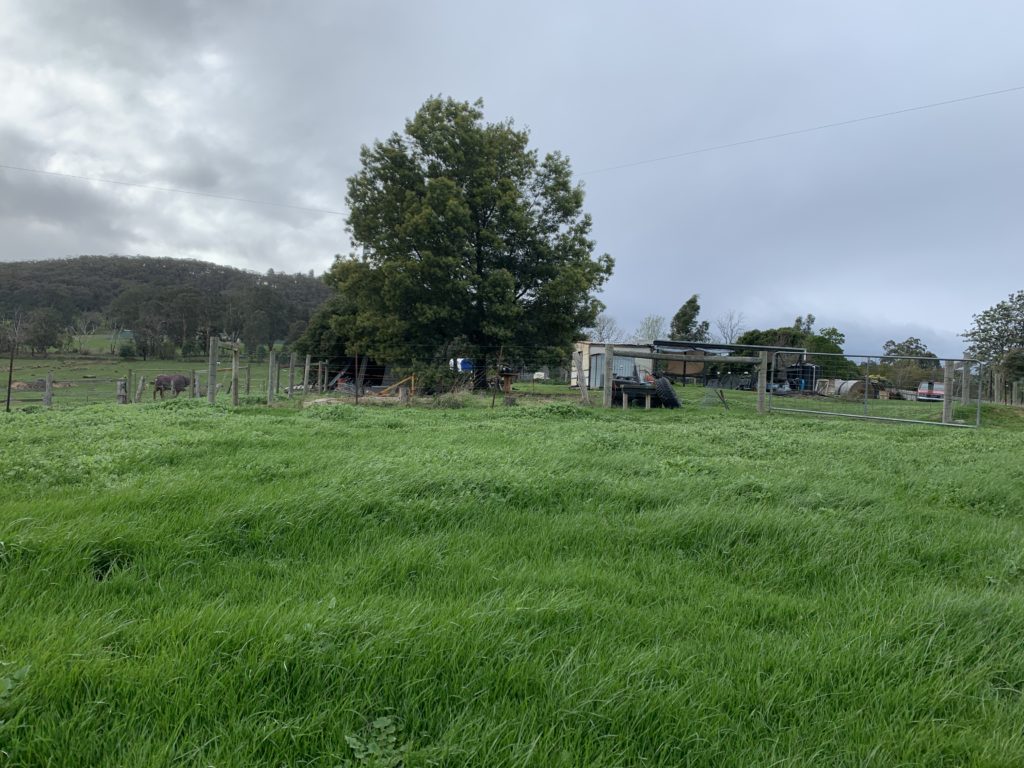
{"x": 68, "y": 381}
{"x": 923, "y": 390}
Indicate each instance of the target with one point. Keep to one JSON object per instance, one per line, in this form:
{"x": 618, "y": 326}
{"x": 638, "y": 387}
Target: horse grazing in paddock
{"x": 175, "y": 384}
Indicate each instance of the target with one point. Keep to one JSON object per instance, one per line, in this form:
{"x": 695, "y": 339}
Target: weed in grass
{"x": 376, "y": 746}
{"x": 10, "y": 680}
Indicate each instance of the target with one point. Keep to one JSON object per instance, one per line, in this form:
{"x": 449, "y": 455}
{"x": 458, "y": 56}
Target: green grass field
{"x": 184, "y": 584}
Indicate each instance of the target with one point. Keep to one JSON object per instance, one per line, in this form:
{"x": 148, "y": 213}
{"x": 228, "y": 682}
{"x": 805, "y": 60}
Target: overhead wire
{"x": 799, "y": 131}
{"x": 621, "y": 166}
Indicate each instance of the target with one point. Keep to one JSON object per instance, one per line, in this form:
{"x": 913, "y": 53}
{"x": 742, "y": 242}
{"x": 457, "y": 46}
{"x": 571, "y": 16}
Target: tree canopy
{"x": 467, "y": 241}
{"x": 998, "y": 330}
{"x": 685, "y": 326}
{"x": 910, "y": 347}
{"x": 651, "y": 327}
{"x": 800, "y": 337}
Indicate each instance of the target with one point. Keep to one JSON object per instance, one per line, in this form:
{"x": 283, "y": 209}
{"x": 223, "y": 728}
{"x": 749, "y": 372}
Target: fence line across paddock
{"x": 919, "y": 390}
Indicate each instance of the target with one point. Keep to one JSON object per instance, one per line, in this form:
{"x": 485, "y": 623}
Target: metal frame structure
{"x": 950, "y": 366}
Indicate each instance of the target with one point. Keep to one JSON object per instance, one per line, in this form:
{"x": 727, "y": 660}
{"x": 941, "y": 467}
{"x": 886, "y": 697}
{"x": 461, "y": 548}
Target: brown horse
{"x": 174, "y": 383}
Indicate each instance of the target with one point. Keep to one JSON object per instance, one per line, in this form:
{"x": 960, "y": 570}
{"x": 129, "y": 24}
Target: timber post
{"x": 291, "y": 375}
{"x": 965, "y": 384}
{"x": 271, "y": 375}
{"x": 609, "y": 372}
{"x": 305, "y": 376}
{"x": 947, "y": 393}
{"x": 193, "y": 391}
{"x": 122, "y": 391}
{"x": 211, "y": 376}
{"x": 234, "y": 374}
{"x": 139, "y": 389}
{"x": 762, "y": 383}
{"x": 577, "y": 359}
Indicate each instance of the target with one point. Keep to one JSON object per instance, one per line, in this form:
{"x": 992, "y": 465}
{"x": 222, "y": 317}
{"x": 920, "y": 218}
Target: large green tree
{"x": 998, "y": 330}
{"x": 686, "y": 326}
{"x": 43, "y": 329}
{"x": 907, "y": 373}
{"x": 823, "y": 349}
{"x": 468, "y": 241}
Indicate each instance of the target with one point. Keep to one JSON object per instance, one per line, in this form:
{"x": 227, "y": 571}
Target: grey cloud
{"x": 871, "y": 225}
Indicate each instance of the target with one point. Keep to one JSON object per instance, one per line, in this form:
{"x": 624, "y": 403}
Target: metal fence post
{"x": 762, "y": 383}
{"x": 609, "y": 373}
{"x": 947, "y": 393}
{"x": 867, "y": 383}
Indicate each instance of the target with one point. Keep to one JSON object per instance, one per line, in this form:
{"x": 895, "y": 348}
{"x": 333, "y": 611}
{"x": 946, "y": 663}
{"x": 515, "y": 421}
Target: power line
{"x": 170, "y": 189}
{"x": 799, "y": 131}
{"x": 648, "y": 161}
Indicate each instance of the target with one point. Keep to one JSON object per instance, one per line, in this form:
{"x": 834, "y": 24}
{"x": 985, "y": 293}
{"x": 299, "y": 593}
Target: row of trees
{"x": 684, "y": 326}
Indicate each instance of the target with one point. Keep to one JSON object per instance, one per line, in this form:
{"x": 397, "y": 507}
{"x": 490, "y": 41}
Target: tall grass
{"x": 542, "y": 586}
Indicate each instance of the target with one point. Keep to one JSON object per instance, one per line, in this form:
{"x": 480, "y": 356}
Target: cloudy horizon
{"x": 902, "y": 226}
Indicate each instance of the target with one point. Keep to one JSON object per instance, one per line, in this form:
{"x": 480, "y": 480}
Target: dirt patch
{"x": 364, "y": 400}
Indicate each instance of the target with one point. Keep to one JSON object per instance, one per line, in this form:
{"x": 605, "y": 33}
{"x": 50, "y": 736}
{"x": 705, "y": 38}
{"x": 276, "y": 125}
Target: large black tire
{"x": 666, "y": 393}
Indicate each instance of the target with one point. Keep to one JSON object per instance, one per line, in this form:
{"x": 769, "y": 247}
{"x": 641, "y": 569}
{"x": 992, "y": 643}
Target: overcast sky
{"x": 900, "y": 226}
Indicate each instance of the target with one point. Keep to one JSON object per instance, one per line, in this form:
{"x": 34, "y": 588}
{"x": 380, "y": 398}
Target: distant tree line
{"x": 169, "y": 306}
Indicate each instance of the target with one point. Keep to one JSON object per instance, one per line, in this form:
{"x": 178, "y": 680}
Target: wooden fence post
{"x": 211, "y": 376}
{"x": 234, "y": 376}
{"x": 122, "y": 391}
{"x": 320, "y": 376}
{"x": 581, "y": 380}
{"x": 271, "y": 371}
{"x": 965, "y": 384}
{"x": 360, "y": 374}
{"x": 762, "y": 383}
{"x": 609, "y": 372}
{"x": 48, "y": 392}
{"x": 291, "y": 375}
{"x": 403, "y": 394}
{"x": 305, "y": 376}
{"x": 194, "y": 389}
{"x": 140, "y": 389}
{"x": 947, "y": 393}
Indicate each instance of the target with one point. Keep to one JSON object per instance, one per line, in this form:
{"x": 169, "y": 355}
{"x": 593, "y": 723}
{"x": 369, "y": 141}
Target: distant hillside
{"x": 165, "y": 302}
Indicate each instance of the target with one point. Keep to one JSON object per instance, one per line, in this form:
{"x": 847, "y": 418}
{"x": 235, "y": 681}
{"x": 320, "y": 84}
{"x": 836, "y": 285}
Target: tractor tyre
{"x": 666, "y": 393}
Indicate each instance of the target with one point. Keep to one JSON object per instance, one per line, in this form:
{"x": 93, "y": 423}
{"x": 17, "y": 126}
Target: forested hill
{"x": 180, "y": 301}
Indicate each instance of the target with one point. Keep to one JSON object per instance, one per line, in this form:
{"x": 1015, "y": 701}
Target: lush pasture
{"x": 539, "y": 585}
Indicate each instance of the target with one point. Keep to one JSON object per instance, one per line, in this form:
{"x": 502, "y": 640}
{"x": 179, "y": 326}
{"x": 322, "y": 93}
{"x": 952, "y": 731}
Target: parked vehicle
{"x": 931, "y": 390}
